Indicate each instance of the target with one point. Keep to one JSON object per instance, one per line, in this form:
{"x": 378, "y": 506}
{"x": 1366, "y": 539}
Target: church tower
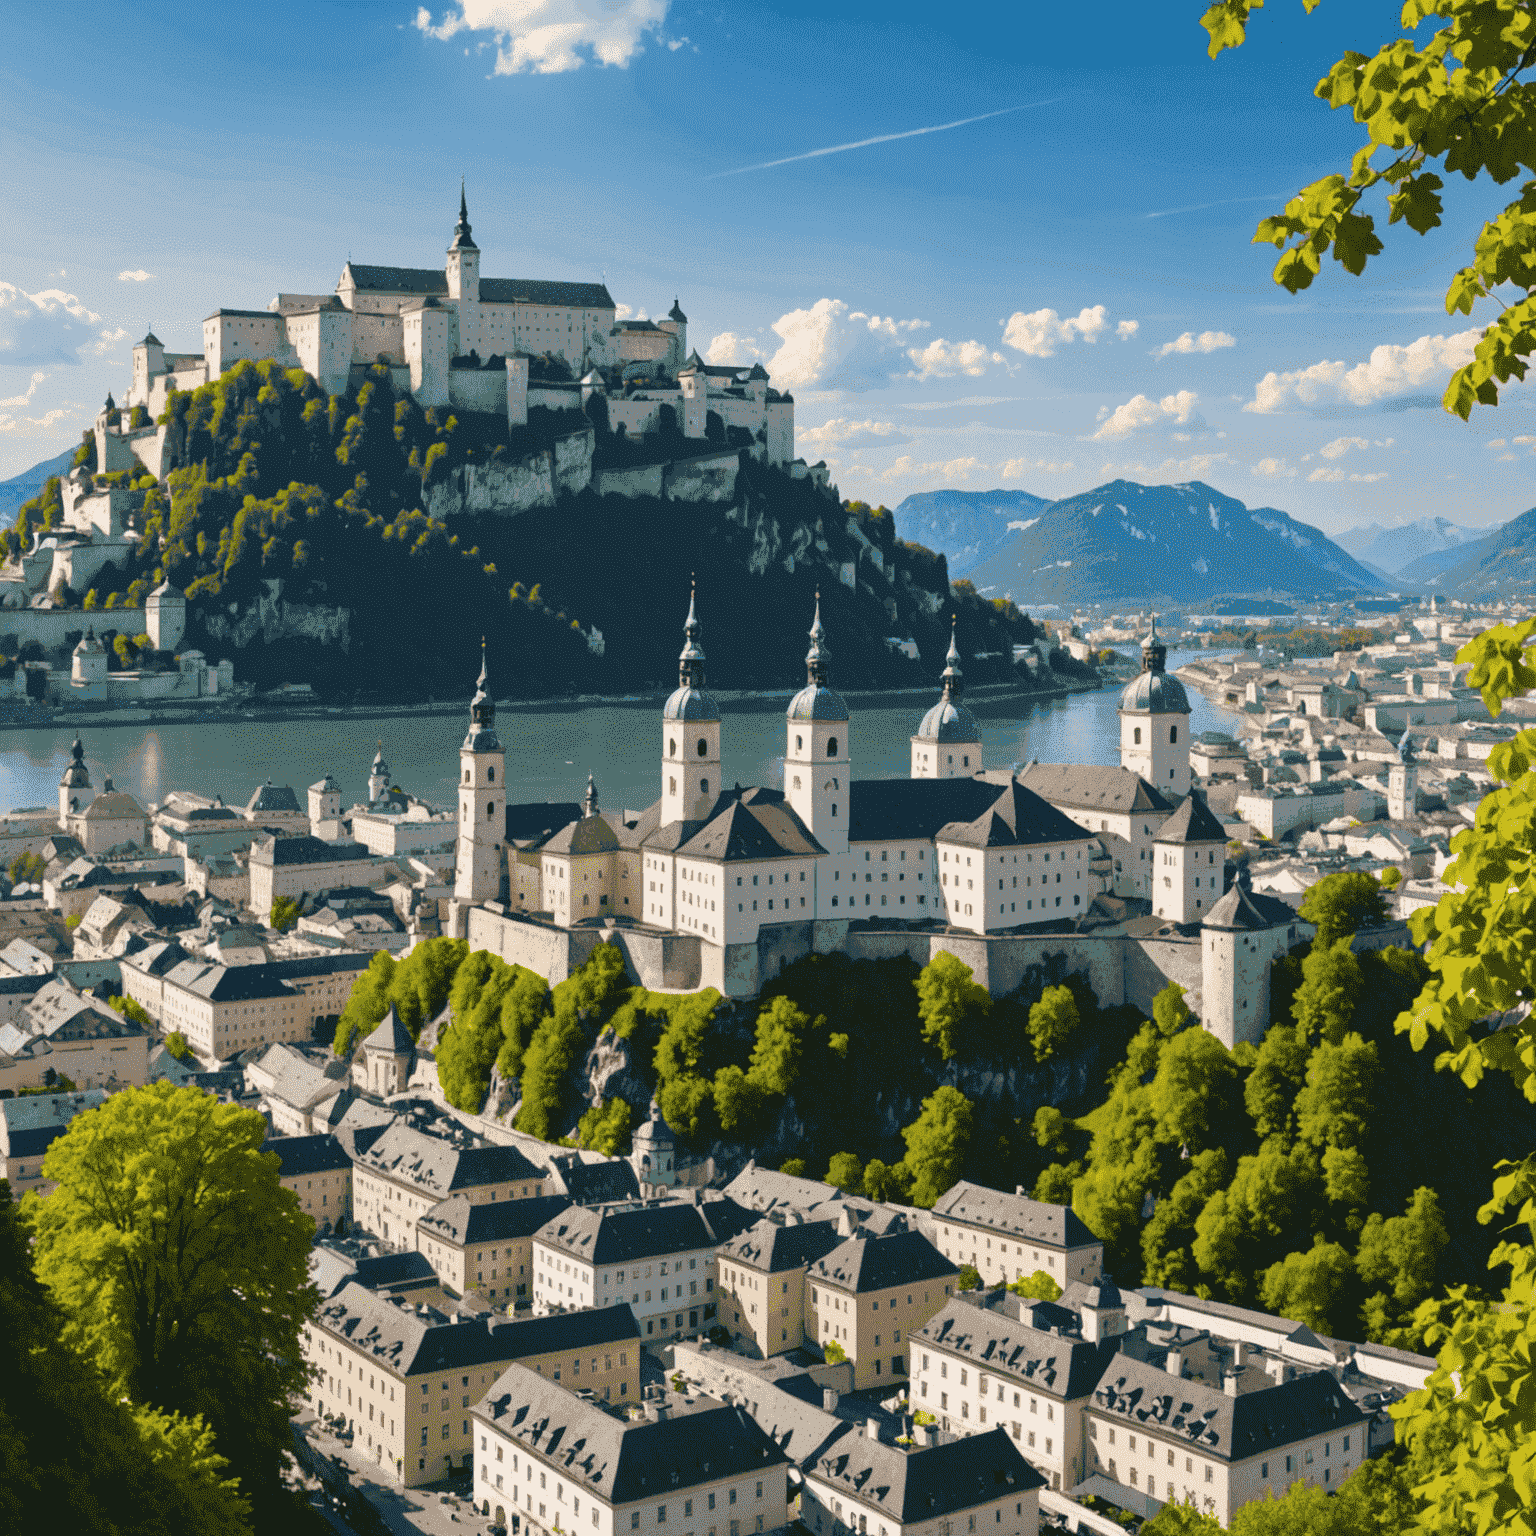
{"x": 1154, "y": 722}
{"x": 948, "y": 742}
{"x": 1403, "y": 783}
{"x": 482, "y": 802}
{"x": 75, "y": 792}
{"x": 463, "y": 272}
{"x": 816, "y": 768}
{"x": 690, "y": 736}
{"x": 378, "y": 776}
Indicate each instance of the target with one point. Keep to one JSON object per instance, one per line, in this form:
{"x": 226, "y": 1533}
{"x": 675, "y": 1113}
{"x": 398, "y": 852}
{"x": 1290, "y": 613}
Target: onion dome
{"x": 676, "y": 313}
{"x": 949, "y": 720}
{"x": 76, "y": 776}
{"x": 1153, "y": 691}
{"x": 691, "y": 701}
{"x": 482, "y": 715}
{"x": 817, "y": 700}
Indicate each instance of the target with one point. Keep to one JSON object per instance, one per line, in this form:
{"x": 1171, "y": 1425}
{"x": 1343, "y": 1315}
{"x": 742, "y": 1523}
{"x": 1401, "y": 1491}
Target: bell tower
{"x": 690, "y": 735}
{"x": 482, "y": 802}
{"x": 816, "y": 755}
{"x": 463, "y": 272}
{"x": 1154, "y": 722}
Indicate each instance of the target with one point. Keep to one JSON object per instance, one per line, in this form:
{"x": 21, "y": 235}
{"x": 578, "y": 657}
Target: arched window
{"x": 672, "y": 747}
{"x": 703, "y": 747}
{"x": 490, "y": 775}
{"x": 490, "y": 809}
{"x": 1137, "y": 737}
{"x": 464, "y": 813}
{"x": 703, "y": 786}
{"x": 671, "y": 786}
{"x": 831, "y": 746}
{"x": 799, "y": 743}
{"x": 466, "y": 775}
{"x": 1173, "y": 733}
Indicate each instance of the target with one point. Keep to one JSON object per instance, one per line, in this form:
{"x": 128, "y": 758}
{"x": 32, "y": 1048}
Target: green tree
{"x": 846, "y": 1171}
{"x": 74, "y": 1454}
{"x": 1166, "y": 1238}
{"x": 1196, "y": 1096}
{"x": 1170, "y": 1013}
{"x": 176, "y": 1044}
{"x": 1052, "y": 1020}
{"x": 131, "y": 1010}
{"x": 886, "y": 1183}
{"x": 26, "y": 867}
{"x": 970, "y": 1278}
{"x": 1039, "y": 1285}
{"x": 949, "y": 1003}
{"x": 1398, "y": 1256}
{"x": 782, "y": 1028}
{"x": 833, "y": 1352}
{"x": 1340, "y": 905}
{"x": 1334, "y": 1108}
{"x": 180, "y": 1263}
{"x": 794, "y": 1167}
{"x": 1050, "y": 1129}
{"x": 1391, "y": 878}
{"x": 1309, "y": 1286}
{"x": 286, "y": 911}
{"x": 1330, "y": 988}
{"x": 605, "y": 1128}
{"x": 738, "y": 1101}
{"x": 936, "y": 1143}
{"x": 1181, "y": 1520}
{"x": 1275, "y": 1080}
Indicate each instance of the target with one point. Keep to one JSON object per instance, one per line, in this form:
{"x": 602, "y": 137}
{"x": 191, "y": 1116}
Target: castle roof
{"x": 917, "y": 1488}
{"x": 864, "y": 1264}
{"x": 1155, "y": 693}
{"x": 676, "y": 313}
{"x": 1089, "y": 787}
{"x": 390, "y": 1037}
{"x": 1193, "y": 822}
{"x": 591, "y": 834}
{"x": 433, "y": 281}
{"x": 949, "y": 721}
{"x": 1064, "y": 1368}
{"x": 1016, "y": 817}
{"x": 151, "y": 340}
{"x": 741, "y": 824}
{"x": 1020, "y": 1217}
{"x": 1242, "y": 909}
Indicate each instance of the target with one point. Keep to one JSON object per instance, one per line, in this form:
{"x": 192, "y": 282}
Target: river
{"x": 550, "y": 747}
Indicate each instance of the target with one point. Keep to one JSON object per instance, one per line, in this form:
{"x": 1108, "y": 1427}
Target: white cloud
{"x": 1173, "y": 470}
{"x": 108, "y": 342}
{"x": 1496, "y": 442}
{"x": 729, "y": 349}
{"x": 1274, "y": 468}
{"x": 134, "y": 275}
{"x": 1040, "y": 332}
{"x": 1390, "y": 370}
{"x": 952, "y": 469}
{"x": 1141, "y": 413}
{"x": 1341, "y": 445}
{"x": 549, "y": 37}
{"x": 35, "y": 426}
{"x": 46, "y": 327}
{"x": 831, "y": 345}
{"x": 1338, "y": 476}
{"x": 17, "y": 401}
{"x": 1206, "y": 341}
{"x": 842, "y": 433}
{"x": 942, "y": 359}
{"x": 1016, "y": 469}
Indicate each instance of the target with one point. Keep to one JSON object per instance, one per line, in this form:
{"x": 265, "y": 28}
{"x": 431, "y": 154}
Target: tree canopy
{"x": 180, "y": 1265}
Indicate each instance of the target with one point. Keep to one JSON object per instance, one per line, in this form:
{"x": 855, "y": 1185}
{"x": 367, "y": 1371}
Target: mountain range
{"x": 967, "y": 527}
{"x": 1501, "y": 564}
{"x": 28, "y": 483}
{"x": 1180, "y": 544}
{"x": 1428, "y": 546}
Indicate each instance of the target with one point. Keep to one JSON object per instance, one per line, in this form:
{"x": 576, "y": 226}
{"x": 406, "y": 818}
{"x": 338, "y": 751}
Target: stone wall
{"x": 48, "y": 626}
{"x": 643, "y": 480}
{"x": 273, "y": 619}
{"x": 478, "y": 389}
{"x": 550, "y": 952}
{"x": 710, "y": 477}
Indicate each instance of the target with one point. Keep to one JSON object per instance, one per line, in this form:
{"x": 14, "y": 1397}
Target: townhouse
{"x": 596, "y": 1351}
{"x": 965, "y": 1487}
{"x": 762, "y": 1287}
{"x": 406, "y": 1172}
{"x": 29, "y": 1126}
{"x": 486, "y": 1247}
{"x": 1008, "y": 1237}
{"x": 656, "y": 1255}
{"x": 318, "y": 1169}
{"x": 562, "y": 1462}
{"x": 870, "y": 1293}
{"x": 1158, "y": 1437}
{"x": 978, "y": 1367}
{"x": 74, "y": 1036}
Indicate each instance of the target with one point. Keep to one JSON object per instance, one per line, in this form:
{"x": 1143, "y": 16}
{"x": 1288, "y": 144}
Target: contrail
{"x": 884, "y": 138}
{"x": 1224, "y": 202}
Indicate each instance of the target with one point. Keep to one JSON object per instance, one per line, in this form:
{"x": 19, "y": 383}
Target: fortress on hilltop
{"x": 1117, "y": 872}
{"x": 454, "y": 338}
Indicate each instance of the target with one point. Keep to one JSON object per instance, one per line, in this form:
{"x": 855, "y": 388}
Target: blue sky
{"x": 1058, "y": 293}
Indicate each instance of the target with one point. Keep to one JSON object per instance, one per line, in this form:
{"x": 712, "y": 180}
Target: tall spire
{"x": 1154, "y": 654}
{"x": 816, "y": 657}
{"x": 690, "y": 664}
{"x": 482, "y": 711}
{"x": 589, "y": 804}
{"x": 462, "y": 239}
{"x": 954, "y": 678}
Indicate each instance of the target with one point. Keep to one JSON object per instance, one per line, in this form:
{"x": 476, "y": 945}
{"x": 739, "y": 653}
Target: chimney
{"x": 872, "y": 1428}
{"x": 1019, "y": 1189}
{"x": 1239, "y": 1355}
{"x": 1175, "y": 1365}
{"x": 1229, "y": 1383}
{"x": 829, "y": 1399}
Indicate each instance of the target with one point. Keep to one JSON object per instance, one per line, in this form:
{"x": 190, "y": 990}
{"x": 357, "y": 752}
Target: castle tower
{"x": 653, "y": 1154}
{"x": 324, "y": 804}
{"x": 1403, "y": 782}
{"x": 1240, "y": 939}
{"x": 148, "y": 365}
{"x": 816, "y": 755}
{"x": 75, "y": 792}
{"x": 165, "y": 616}
{"x": 690, "y": 736}
{"x": 948, "y": 742}
{"x": 482, "y": 787}
{"x": 1154, "y": 722}
{"x": 388, "y": 1055}
{"x": 589, "y": 800}
{"x": 694, "y": 407}
{"x": 463, "y": 272}
{"x": 676, "y": 326}
{"x": 378, "y": 774}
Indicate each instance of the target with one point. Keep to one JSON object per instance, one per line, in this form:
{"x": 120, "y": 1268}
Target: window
{"x": 831, "y": 746}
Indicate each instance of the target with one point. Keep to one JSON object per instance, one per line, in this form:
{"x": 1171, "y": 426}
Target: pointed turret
{"x": 948, "y": 742}
{"x": 952, "y": 677}
{"x": 1154, "y": 654}
{"x": 818, "y": 700}
{"x": 690, "y": 730}
{"x": 676, "y": 313}
{"x": 482, "y": 713}
{"x": 690, "y": 661}
{"x": 589, "y": 803}
{"x": 463, "y": 240}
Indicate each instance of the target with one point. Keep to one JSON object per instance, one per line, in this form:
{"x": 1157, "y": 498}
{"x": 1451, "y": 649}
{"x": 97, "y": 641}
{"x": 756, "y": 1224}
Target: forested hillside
{"x": 295, "y": 525}
{"x": 1307, "y": 1175}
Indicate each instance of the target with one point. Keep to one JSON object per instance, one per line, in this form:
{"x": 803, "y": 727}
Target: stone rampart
{"x": 49, "y": 626}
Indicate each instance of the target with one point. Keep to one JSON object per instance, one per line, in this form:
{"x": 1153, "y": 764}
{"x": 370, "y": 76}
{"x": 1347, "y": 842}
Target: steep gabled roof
{"x": 771, "y": 1246}
{"x": 1064, "y": 1368}
{"x": 1090, "y": 787}
{"x": 751, "y": 824}
{"x": 1242, "y": 909}
{"x": 390, "y": 1037}
{"x": 877, "y": 1263}
{"x": 1017, "y": 1215}
{"x": 1193, "y": 822}
{"x": 1017, "y": 817}
{"x": 457, "y": 1221}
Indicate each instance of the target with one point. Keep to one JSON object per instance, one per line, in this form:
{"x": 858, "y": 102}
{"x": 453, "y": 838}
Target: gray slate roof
{"x": 916, "y": 1486}
{"x": 864, "y": 1264}
{"x": 302, "y": 1155}
{"x": 282, "y": 851}
{"x": 1227, "y": 1428}
{"x": 589, "y": 1328}
{"x": 431, "y": 1164}
{"x": 770, "y": 1246}
{"x": 274, "y": 797}
{"x": 460, "y": 1223}
{"x": 1243, "y": 910}
{"x": 1017, "y": 1215}
{"x": 625, "y": 1462}
{"x": 399, "y": 1340}
{"x": 1193, "y": 822}
{"x": 766, "y": 1189}
{"x": 1089, "y": 787}
{"x": 1017, "y": 817}
{"x": 1063, "y": 1368}
{"x": 622, "y": 1235}
{"x": 29, "y": 1125}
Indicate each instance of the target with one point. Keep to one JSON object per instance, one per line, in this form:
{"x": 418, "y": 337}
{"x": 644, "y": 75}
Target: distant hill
{"x": 1427, "y": 573}
{"x": 1391, "y": 550}
{"x": 1181, "y": 544}
{"x": 28, "y": 483}
{"x": 966, "y": 527}
{"x": 1500, "y": 565}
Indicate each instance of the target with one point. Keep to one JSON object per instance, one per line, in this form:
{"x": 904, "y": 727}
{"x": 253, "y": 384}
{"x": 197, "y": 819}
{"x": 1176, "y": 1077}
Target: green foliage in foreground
{"x": 76, "y": 1456}
{"x": 417, "y": 987}
{"x": 180, "y": 1266}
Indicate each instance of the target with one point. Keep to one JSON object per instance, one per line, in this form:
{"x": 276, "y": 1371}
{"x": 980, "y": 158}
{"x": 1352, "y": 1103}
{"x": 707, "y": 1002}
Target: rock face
{"x": 508, "y": 489}
{"x": 271, "y": 619}
{"x": 608, "y": 1072}
{"x": 1178, "y": 544}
